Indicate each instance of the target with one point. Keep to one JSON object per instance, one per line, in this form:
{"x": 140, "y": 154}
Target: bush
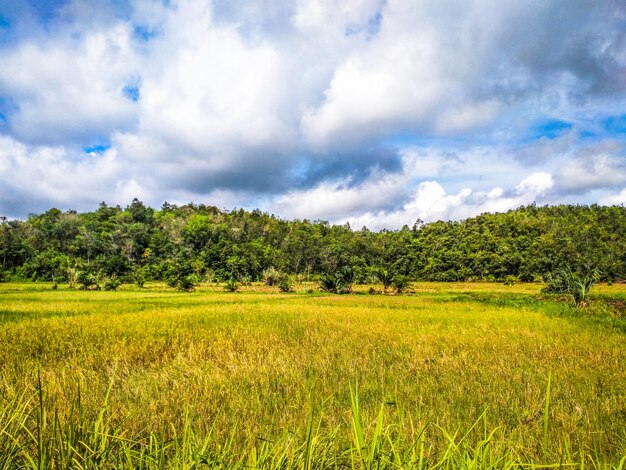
{"x": 338, "y": 283}
{"x": 400, "y": 284}
{"x": 138, "y": 276}
{"x": 388, "y": 279}
{"x": 385, "y": 277}
{"x": 285, "y": 285}
{"x": 272, "y": 276}
{"x": 186, "y": 283}
{"x": 231, "y": 285}
{"x": 112, "y": 284}
{"x": 509, "y": 280}
{"x": 328, "y": 283}
{"x": 181, "y": 282}
{"x": 575, "y": 284}
{"x": 87, "y": 281}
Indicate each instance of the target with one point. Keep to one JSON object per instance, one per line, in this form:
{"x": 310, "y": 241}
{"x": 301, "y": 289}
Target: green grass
{"x": 454, "y": 375}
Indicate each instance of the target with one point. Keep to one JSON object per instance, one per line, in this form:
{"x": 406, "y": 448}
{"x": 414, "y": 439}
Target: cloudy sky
{"x": 376, "y": 112}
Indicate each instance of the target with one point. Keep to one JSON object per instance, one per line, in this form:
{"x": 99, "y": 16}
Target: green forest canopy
{"x": 141, "y": 242}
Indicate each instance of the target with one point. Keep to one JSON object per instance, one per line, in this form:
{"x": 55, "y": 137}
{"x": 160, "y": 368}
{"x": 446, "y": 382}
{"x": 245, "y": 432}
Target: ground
{"x": 253, "y": 373}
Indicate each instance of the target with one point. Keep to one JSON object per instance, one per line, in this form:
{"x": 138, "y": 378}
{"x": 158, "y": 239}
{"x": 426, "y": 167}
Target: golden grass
{"x": 252, "y": 364}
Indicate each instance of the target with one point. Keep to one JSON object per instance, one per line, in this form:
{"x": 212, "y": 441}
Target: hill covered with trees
{"x": 139, "y": 243}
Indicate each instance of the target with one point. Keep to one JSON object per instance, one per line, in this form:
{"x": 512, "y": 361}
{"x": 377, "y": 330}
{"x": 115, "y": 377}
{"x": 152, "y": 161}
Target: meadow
{"x": 474, "y": 375}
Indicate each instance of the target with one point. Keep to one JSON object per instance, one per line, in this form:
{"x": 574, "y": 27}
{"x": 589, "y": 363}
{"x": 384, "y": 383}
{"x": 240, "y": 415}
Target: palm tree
{"x": 385, "y": 277}
{"x": 576, "y": 284}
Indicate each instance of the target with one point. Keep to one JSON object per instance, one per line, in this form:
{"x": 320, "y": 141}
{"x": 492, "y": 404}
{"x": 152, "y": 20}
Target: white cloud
{"x": 204, "y": 89}
{"x": 592, "y": 171}
{"x": 234, "y": 95}
{"x": 338, "y": 200}
{"x": 372, "y": 93}
{"x": 614, "y": 199}
{"x": 70, "y": 89}
{"x": 468, "y": 117}
{"x": 536, "y": 184}
{"x": 45, "y": 176}
{"x": 384, "y": 202}
{"x": 431, "y": 202}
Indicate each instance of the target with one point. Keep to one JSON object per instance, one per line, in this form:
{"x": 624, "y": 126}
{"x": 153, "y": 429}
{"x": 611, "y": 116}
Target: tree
{"x": 339, "y": 282}
{"x": 575, "y": 284}
{"x": 385, "y": 277}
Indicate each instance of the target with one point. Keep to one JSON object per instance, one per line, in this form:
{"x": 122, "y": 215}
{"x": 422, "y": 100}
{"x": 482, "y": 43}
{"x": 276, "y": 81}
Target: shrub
{"x": 575, "y": 284}
{"x": 389, "y": 279}
{"x": 385, "y": 277}
{"x": 231, "y": 285}
{"x": 186, "y": 283}
{"x": 72, "y": 276}
{"x": 112, "y": 284}
{"x": 272, "y": 276}
{"x": 509, "y": 280}
{"x": 338, "y": 283}
{"x": 285, "y": 285}
{"x": 180, "y": 282}
{"x": 87, "y": 281}
{"x": 400, "y": 284}
{"x": 139, "y": 277}
{"x": 328, "y": 283}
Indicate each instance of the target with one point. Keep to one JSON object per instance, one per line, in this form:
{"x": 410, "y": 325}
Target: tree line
{"x": 195, "y": 242}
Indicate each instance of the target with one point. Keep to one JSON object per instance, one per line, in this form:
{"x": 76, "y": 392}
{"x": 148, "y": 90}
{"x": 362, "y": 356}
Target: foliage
{"x": 339, "y": 282}
{"x": 139, "y": 276}
{"x": 112, "y": 284}
{"x": 186, "y": 283}
{"x": 285, "y": 284}
{"x": 575, "y": 284}
{"x": 328, "y": 283}
{"x": 400, "y": 283}
{"x": 389, "y": 279}
{"x": 140, "y": 244}
{"x": 385, "y": 277}
{"x": 280, "y": 279}
{"x": 87, "y": 280}
{"x": 231, "y": 285}
{"x": 272, "y": 276}
{"x": 509, "y": 280}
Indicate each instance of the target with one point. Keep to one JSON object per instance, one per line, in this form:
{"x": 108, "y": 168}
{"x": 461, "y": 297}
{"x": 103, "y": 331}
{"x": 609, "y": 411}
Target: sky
{"x": 372, "y": 112}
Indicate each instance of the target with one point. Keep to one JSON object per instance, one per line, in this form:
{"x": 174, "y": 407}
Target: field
{"x": 452, "y": 375}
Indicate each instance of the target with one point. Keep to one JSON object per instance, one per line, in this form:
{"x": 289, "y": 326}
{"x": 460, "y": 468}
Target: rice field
{"x": 451, "y": 375}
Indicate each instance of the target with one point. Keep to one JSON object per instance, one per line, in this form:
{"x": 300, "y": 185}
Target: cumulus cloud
{"x": 70, "y": 90}
{"x": 38, "y": 177}
{"x": 394, "y": 200}
{"x": 432, "y": 202}
{"x": 615, "y": 199}
{"x": 594, "y": 167}
{"x": 349, "y": 109}
{"x": 338, "y": 201}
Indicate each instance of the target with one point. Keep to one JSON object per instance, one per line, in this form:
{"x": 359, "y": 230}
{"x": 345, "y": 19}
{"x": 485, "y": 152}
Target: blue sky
{"x": 376, "y": 112}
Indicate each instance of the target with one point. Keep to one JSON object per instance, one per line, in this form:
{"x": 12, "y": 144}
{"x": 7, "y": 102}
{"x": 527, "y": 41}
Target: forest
{"x": 198, "y": 243}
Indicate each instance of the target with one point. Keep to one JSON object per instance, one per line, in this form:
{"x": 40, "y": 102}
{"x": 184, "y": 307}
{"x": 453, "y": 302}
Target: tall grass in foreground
{"x": 34, "y": 436}
{"x": 451, "y": 376}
